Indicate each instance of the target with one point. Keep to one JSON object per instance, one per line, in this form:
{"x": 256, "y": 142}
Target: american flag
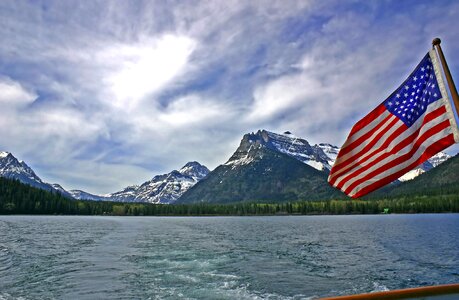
{"x": 406, "y": 129}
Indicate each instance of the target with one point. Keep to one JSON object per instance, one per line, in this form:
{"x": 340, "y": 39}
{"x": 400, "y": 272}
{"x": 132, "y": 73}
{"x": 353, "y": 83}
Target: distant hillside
{"x": 442, "y": 180}
{"x": 20, "y": 198}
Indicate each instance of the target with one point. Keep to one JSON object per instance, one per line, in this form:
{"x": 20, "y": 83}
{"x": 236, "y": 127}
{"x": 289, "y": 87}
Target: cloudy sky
{"x": 98, "y": 95}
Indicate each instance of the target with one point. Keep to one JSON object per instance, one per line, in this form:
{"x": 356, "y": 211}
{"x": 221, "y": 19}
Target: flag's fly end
{"x": 414, "y": 123}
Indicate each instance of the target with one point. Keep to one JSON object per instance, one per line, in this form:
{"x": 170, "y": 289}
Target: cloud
{"x": 139, "y": 70}
{"x": 134, "y": 89}
{"x": 283, "y": 94}
{"x": 14, "y": 95}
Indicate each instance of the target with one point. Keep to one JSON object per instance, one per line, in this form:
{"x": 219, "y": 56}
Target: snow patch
{"x": 315, "y": 164}
{"x": 411, "y": 174}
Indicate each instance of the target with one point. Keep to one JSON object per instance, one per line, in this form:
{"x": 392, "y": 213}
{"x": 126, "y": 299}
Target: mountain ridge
{"x": 169, "y": 187}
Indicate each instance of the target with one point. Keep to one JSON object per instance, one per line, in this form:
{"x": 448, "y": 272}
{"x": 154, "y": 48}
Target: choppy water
{"x": 46, "y": 257}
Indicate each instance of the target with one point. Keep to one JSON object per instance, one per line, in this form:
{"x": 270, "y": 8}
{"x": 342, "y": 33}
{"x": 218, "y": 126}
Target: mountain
{"x": 267, "y": 167}
{"x": 288, "y": 144}
{"x": 331, "y": 152}
{"x": 82, "y": 195}
{"x": 441, "y": 180}
{"x": 431, "y": 163}
{"x": 166, "y": 188}
{"x": 12, "y": 168}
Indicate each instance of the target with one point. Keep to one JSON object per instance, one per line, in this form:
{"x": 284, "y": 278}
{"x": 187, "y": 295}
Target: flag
{"x": 414, "y": 123}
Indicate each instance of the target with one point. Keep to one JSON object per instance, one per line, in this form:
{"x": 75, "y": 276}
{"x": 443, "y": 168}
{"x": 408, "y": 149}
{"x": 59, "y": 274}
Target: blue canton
{"x": 411, "y": 99}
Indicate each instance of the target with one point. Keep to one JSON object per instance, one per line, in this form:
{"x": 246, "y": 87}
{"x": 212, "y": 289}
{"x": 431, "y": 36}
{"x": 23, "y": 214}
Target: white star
{"x": 397, "y": 103}
{"x": 406, "y": 87}
{"x": 404, "y": 101}
{"x": 415, "y": 78}
{"x": 406, "y": 95}
{"x": 423, "y": 69}
{"x": 390, "y": 103}
{"x": 398, "y": 96}
{"x": 435, "y": 95}
{"x": 433, "y": 85}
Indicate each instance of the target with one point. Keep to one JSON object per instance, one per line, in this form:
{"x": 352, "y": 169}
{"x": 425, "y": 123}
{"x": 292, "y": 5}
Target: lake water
{"x": 285, "y": 257}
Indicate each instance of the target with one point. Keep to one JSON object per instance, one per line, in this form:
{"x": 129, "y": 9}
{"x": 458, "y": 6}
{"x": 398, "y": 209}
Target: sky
{"x": 99, "y": 95}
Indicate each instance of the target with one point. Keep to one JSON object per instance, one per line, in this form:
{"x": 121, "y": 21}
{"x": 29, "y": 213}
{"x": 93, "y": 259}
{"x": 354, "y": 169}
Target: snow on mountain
{"x": 59, "y": 188}
{"x": 166, "y": 188}
{"x": 439, "y": 158}
{"x": 11, "y": 167}
{"x": 330, "y": 150}
{"x": 285, "y": 143}
{"x": 321, "y": 156}
{"x": 431, "y": 163}
{"x": 82, "y": 195}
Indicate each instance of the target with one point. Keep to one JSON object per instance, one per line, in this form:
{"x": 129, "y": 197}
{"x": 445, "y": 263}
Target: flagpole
{"x": 436, "y": 44}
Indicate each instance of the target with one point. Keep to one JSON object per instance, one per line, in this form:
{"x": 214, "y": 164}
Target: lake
{"x": 278, "y": 257}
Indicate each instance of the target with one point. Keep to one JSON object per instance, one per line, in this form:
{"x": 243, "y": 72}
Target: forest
{"x": 18, "y": 198}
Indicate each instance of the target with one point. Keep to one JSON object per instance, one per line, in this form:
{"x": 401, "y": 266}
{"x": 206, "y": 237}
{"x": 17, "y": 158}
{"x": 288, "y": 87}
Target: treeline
{"x": 18, "y": 198}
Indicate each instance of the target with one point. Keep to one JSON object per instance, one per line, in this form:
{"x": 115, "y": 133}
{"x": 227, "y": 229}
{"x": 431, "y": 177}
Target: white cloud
{"x": 285, "y": 93}
{"x": 139, "y": 70}
{"x": 13, "y": 94}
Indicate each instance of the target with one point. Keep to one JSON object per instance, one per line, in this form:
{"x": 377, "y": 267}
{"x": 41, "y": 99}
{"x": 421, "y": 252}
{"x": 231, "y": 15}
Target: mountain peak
{"x": 4, "y": 154}
{"x": 285, "y": 143}
{"x": 164, "y": 188}
{"x": 194, "y": 170}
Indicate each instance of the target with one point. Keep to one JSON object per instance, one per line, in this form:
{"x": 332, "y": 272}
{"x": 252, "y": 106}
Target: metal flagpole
{"x": 436, "y": 44}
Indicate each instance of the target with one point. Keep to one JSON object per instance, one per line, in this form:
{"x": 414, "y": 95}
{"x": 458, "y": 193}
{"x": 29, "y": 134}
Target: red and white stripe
{"x": 381, "y": 148}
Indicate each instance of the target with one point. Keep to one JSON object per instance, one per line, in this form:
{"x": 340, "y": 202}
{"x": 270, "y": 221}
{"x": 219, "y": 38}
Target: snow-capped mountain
{"x": 431, "y": 163}
{"x": 82, "y": 195}
{"x": 12, "y": 168}
{"x": 321, "y": 156}
{"x": 166, "y": 188}
{"x": 330, "y": 150}
{"x": 161, "y": 189}
{"x": 267, "y": 167}
{"x": 286, "y": 143}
